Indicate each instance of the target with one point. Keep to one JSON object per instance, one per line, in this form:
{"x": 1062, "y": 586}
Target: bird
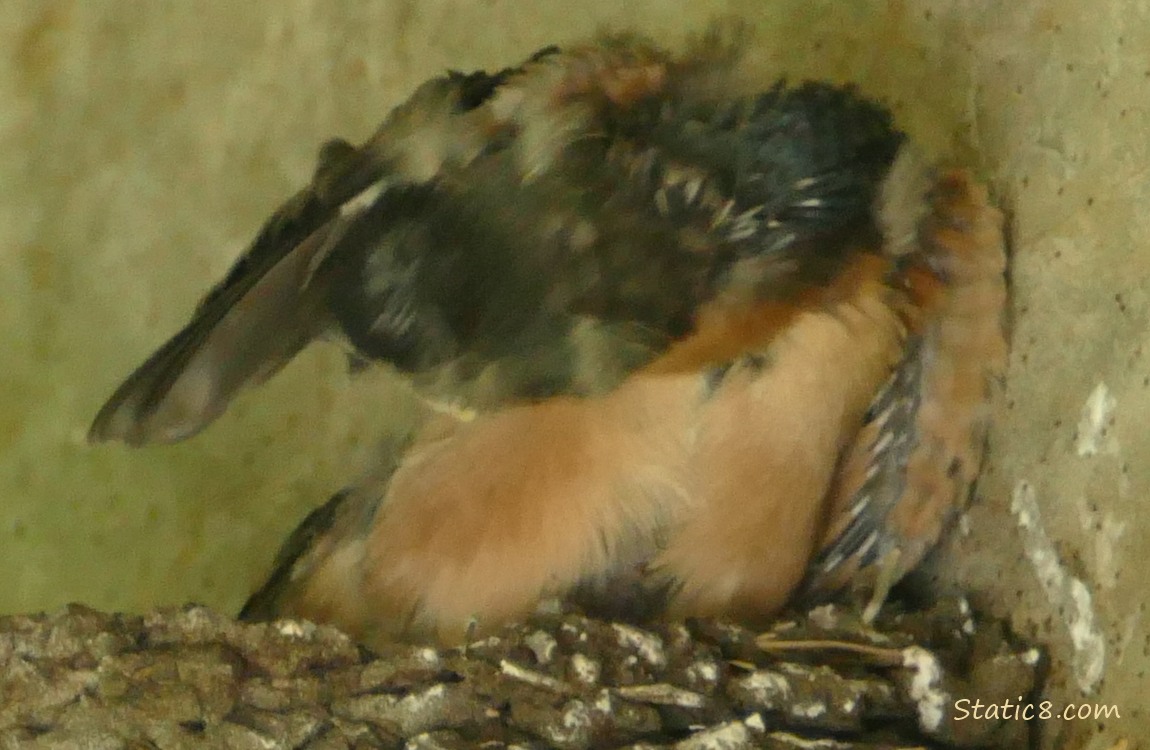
{"x": 693, "y": 348}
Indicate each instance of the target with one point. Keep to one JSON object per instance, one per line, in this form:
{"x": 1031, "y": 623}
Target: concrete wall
{"x": 142, "y": 143}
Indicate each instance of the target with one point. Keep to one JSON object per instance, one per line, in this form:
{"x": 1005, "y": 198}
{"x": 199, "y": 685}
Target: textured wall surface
{"x": 142, "y": 144}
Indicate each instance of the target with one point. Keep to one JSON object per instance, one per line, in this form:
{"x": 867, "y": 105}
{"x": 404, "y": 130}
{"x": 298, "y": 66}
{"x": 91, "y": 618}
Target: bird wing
{"x": 910, "y": 470}
{"x": 544, "y": 230}
{"x": 271, "y": 303}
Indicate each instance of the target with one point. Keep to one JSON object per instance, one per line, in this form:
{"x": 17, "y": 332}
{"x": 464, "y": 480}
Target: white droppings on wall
{"x": 1094, "y": 435}
{"x": 1065, "y": 592}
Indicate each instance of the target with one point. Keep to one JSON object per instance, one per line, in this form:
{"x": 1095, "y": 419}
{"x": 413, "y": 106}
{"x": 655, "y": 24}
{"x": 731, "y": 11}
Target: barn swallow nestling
{"x": 714, "y": 349}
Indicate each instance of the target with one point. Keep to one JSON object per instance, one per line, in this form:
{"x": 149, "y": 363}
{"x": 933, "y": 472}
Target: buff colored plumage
{"x": 705, "y": 351}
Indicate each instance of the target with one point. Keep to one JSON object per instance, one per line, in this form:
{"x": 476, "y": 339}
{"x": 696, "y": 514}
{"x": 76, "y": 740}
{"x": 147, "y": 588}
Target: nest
{"x": 182, "y": 677}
